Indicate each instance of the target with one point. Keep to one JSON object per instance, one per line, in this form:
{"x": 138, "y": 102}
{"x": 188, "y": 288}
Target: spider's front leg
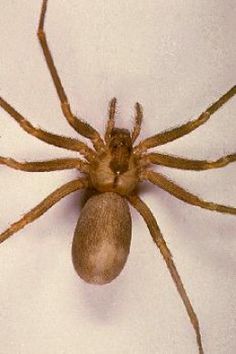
{"x": 176, "y": 133}
{"x": 157, "y": 237}
{"x": 80, "y": 126}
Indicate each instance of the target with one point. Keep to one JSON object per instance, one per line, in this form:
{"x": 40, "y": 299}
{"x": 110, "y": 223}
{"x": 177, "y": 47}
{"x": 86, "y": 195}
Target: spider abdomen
{"x": 102, "y": 238}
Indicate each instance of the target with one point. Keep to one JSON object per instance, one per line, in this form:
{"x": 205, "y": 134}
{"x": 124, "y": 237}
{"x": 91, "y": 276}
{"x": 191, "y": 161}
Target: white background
{"x": 176, "y": 58}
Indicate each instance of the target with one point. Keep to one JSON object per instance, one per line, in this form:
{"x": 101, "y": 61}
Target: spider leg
{"x": 111, "y": 119}
{"x": 79, "y": 125}
{"x": 45, "y": 166}
{"x": 138, "y": 122}
{"x": 182, "y": 194}
{"x": 42, "y": 207}
{"x": 178, "y": 132}
{"x": 157, "y": 237}
{"x": 187, "y": 164}
{"x": 53, "y": 139}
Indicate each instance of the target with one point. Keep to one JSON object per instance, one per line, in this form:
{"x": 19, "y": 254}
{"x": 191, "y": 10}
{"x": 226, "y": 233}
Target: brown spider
{"x": 113, "y": 170}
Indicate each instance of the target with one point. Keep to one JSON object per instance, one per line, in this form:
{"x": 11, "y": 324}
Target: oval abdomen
{"x": 102, "y": 238}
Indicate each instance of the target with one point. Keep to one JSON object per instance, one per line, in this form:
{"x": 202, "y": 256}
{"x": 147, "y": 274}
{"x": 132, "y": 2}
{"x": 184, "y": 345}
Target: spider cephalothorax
{"x": 116, "y": 168}
{"x": 120, "y": 147}
{"x": 113, "y": 170}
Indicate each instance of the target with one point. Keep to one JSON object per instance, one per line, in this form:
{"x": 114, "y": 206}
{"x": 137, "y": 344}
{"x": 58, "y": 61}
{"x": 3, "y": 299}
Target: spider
{"x": 112, "y": 170}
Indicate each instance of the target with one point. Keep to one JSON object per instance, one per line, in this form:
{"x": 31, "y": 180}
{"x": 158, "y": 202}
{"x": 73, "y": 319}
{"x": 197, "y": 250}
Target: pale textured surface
{"x": 175, "y": 57}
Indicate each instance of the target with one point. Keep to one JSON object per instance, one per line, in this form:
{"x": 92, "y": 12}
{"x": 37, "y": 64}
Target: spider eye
{"x": 117, "y": 144}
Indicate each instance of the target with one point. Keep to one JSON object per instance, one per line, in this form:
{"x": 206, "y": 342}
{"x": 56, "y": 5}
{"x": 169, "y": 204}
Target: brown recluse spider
{"x": 112, "y": 170}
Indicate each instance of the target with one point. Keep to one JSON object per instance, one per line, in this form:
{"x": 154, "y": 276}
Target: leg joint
{"x": 41, "y": 34}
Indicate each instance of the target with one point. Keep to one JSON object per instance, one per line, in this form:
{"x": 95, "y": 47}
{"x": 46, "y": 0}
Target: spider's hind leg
{"x": 157, "y": 237}
{"x": 42, "y": 207}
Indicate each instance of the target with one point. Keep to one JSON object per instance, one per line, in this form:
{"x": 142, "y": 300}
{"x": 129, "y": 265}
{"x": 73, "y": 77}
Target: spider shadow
{"x": 101, "y": 301}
